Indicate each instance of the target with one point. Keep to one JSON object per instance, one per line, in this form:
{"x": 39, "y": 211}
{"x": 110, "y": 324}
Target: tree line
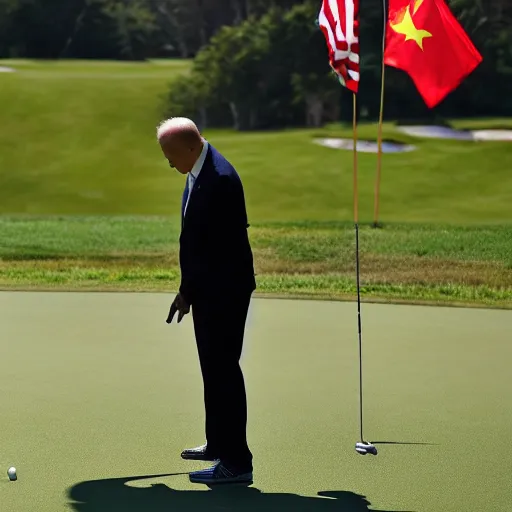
{"x": 258, "y": 63}
{"x": 118, "y": 29}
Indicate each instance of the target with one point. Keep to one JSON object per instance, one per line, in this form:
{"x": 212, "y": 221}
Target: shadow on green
{"x": 403, "y": 443}
{"x": 114, "y": 495}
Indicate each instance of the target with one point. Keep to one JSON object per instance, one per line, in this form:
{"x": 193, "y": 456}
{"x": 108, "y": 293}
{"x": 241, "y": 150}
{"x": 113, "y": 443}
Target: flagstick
{"x": 356, "y": 220}
{"x": 379, "y": 153}
{"x": 379, "y": 135}
{"x": 354, "y": 128}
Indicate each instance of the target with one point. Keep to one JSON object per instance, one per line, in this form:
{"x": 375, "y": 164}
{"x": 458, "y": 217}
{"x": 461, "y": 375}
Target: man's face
{"x": 174, "y": 156}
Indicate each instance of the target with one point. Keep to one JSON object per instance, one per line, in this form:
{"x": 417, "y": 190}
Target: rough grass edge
{"x": 505, "y": 305}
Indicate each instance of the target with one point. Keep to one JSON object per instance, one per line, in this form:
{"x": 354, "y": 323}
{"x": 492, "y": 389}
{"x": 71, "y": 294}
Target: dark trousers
{"x": 219, "y": 324}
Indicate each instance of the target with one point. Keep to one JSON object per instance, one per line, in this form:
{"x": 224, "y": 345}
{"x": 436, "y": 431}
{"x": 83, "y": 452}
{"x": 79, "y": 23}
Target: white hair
{"x": 175, "y": 124}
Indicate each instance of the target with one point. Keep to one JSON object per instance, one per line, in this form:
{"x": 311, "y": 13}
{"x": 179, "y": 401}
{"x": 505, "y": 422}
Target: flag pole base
{"x": 365, "y": 448}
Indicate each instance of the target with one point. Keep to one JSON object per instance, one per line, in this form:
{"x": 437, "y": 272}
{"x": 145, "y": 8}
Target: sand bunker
{"x": 3, "y": 69}
{"x": 441, "y": 132}
{"x": 364, "y": 146}
{"x": 492, "y": 135}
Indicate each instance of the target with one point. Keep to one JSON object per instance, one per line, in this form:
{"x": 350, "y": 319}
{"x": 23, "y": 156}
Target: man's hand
{"x": 179, "y": 305}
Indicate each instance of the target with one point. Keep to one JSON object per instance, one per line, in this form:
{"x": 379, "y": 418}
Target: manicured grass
{"x": 79, "y": 138}
{"x": 101, "y": 395}
{"x": 412, "y": 263}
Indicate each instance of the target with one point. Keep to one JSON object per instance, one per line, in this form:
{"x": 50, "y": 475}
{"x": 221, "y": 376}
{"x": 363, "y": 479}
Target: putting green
{"x": 97, "y": 390}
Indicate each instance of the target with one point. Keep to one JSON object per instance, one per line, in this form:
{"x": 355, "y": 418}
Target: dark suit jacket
{"x": 215, "y": 253}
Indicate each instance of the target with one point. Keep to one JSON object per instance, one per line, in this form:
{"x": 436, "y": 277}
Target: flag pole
{"x": 354, "y": 129}
{"x": 379, "y": 134}
{"x": 356, "y": 221}
{"x": 379, "y": 155}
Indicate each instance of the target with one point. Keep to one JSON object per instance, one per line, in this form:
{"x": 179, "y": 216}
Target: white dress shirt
{"x": 194, "y": 173}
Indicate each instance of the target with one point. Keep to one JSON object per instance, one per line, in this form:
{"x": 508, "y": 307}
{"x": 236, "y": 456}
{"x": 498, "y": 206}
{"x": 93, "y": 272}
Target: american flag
{"x": 339, "y": 22}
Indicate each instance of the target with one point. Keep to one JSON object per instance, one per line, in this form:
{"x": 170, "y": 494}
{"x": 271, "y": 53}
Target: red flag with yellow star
{"x": 424, "y": 39}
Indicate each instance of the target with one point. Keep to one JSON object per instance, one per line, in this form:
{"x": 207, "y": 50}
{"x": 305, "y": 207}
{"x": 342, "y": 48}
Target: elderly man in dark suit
{"x": 217, "y": 281}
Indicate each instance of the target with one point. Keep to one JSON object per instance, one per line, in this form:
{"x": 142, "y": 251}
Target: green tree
{"x": 233, "y": 66}
{"x": 488, "y": 23}
{"x": 40, "y": 29}
{"x": 134, "y": 26}
{"x": 76, "y": 28}
{"x": 7, "y": 7}
{"x": 265, "y": 72}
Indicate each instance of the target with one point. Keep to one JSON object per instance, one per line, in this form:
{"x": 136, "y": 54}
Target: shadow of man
{"x": 112, "y": 495}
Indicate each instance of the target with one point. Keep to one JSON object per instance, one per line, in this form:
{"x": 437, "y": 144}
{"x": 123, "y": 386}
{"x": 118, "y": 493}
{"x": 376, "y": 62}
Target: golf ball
{"x": 11, "y": 472}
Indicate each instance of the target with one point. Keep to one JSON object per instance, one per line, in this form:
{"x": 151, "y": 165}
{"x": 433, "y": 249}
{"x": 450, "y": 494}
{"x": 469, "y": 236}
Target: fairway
{"x": 78, "y": 138}
{"x": 89, "y": 203}
{"x": 97, "y": 390}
